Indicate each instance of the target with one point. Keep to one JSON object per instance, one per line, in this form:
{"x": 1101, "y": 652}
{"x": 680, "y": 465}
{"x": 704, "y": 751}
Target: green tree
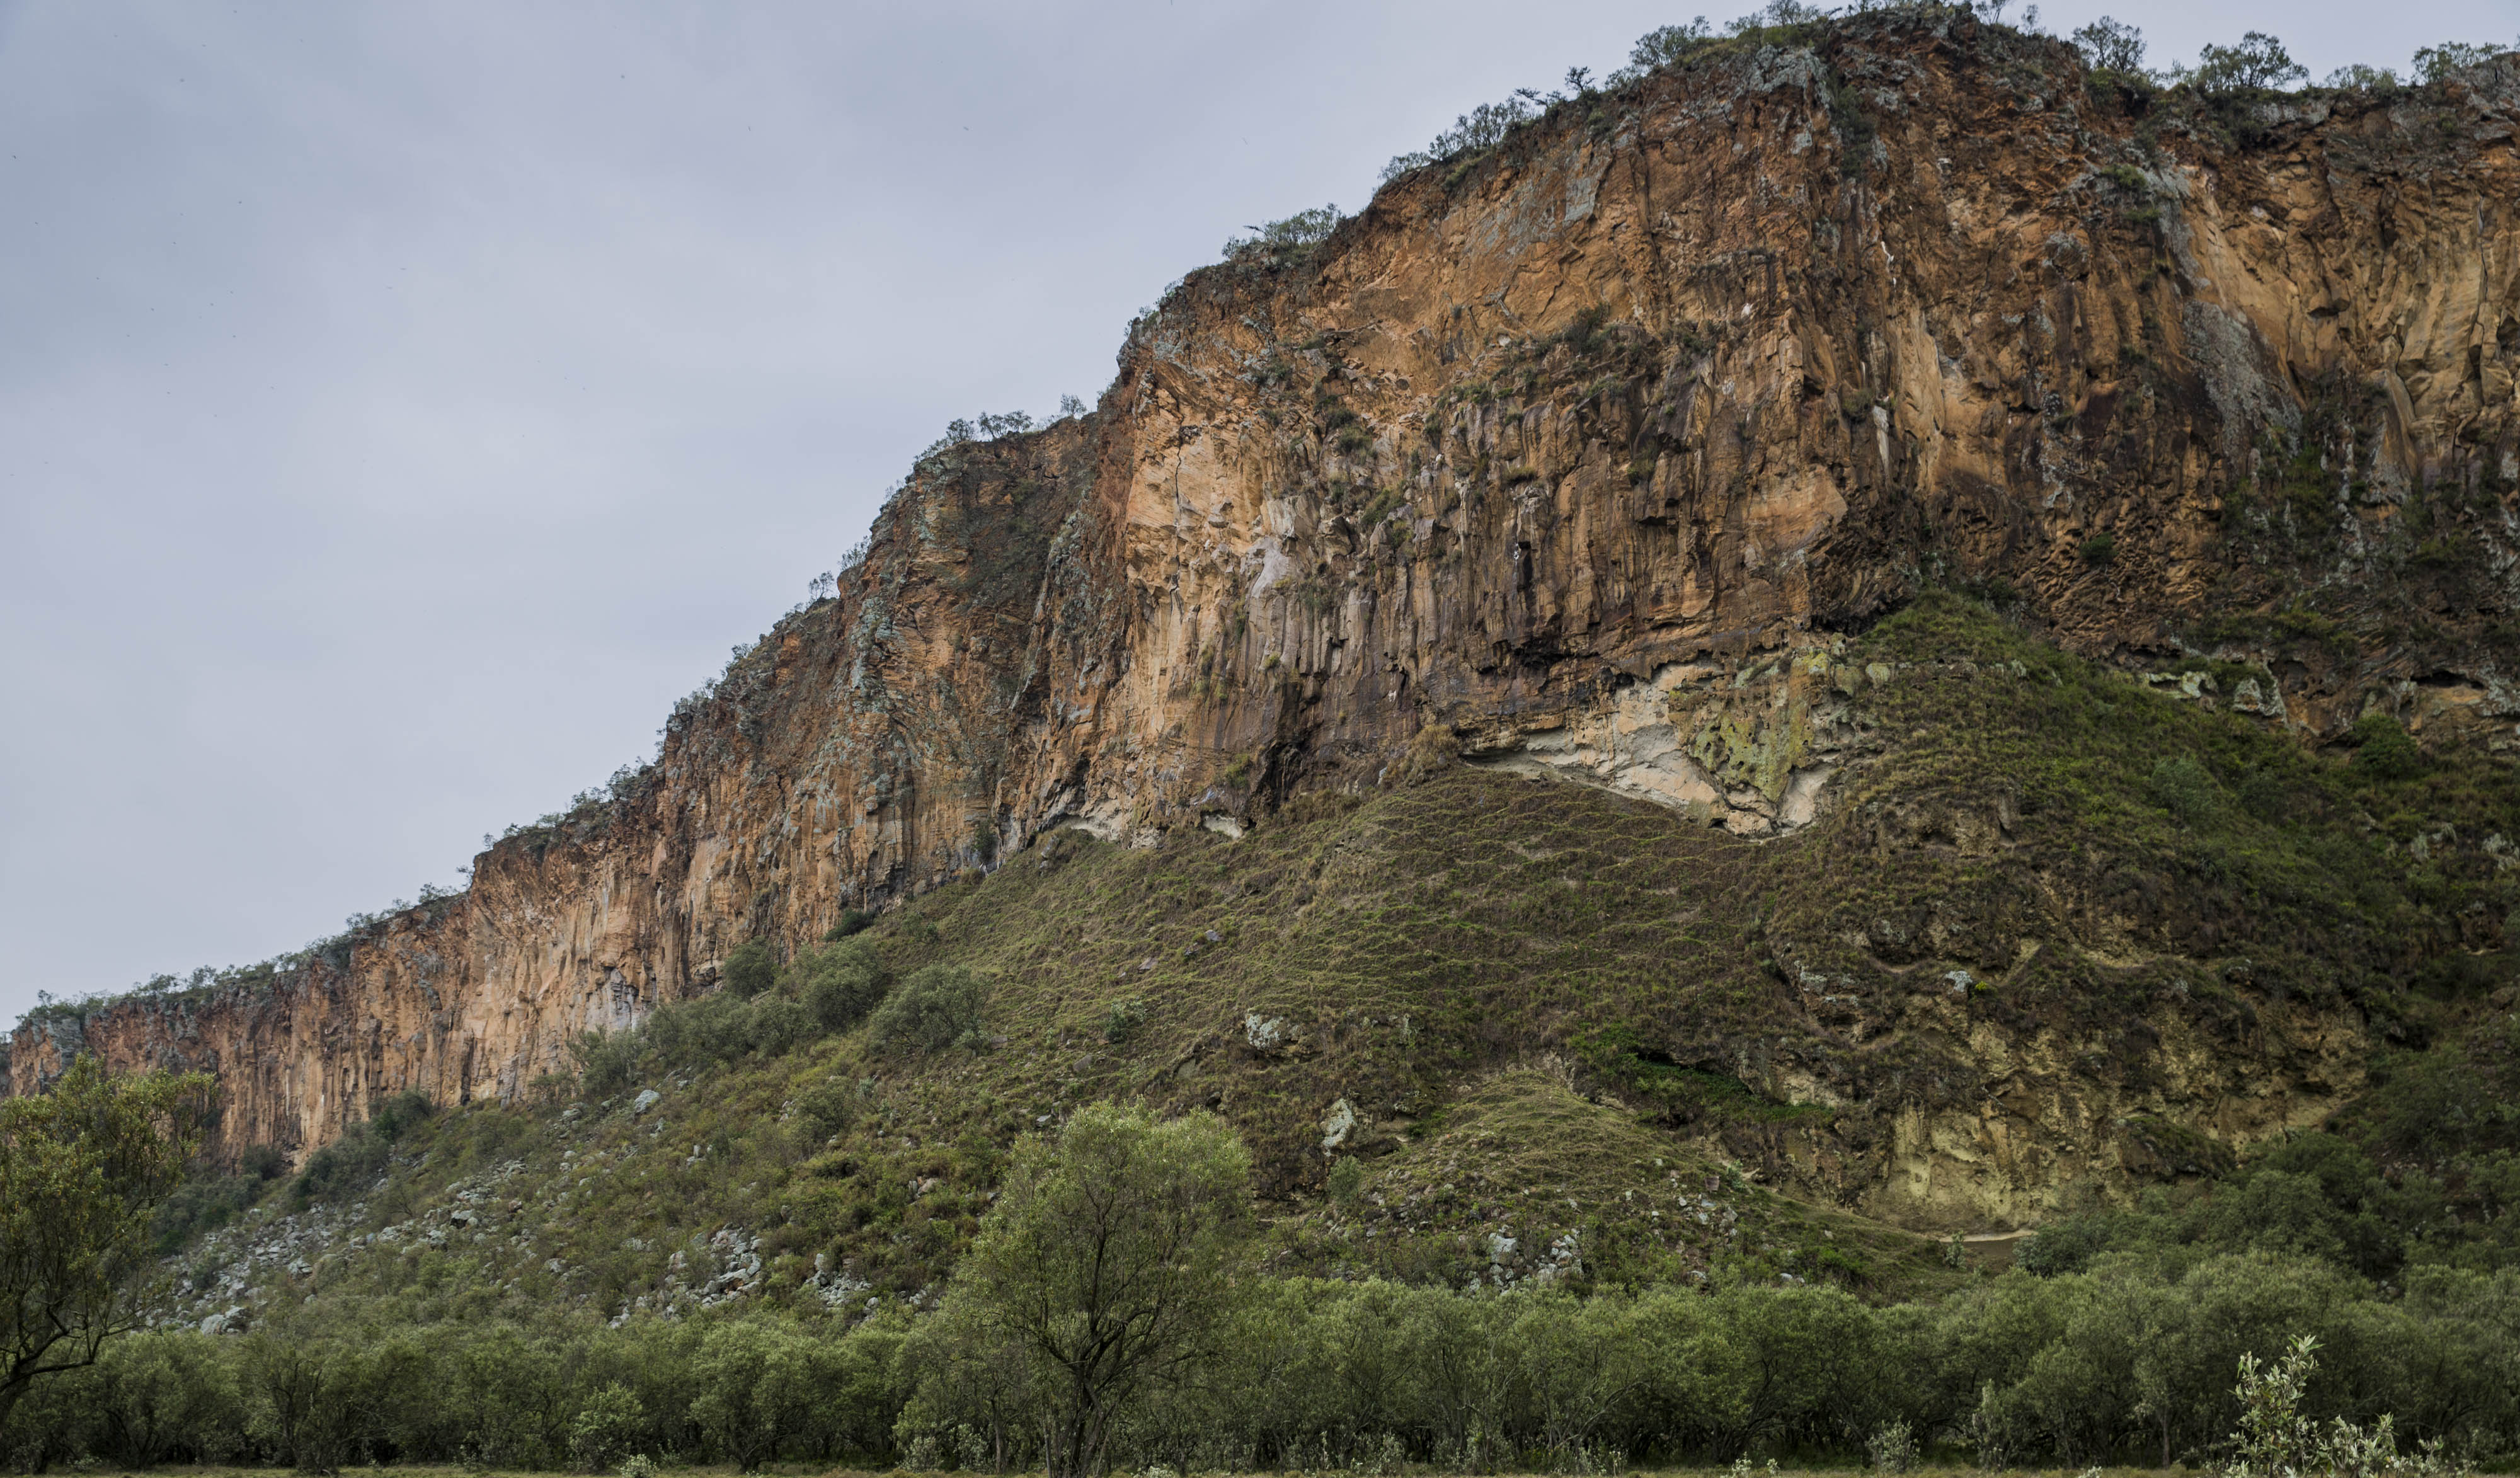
{"x": 841, "y": 983}
{"x": 2383, "y": 751}
{"x": 2435, "y": 63}
{"x": 2110, "y": 45}
{"x": 749, "y": 968}
{"x": 607, "y": 1427}
{"x": 307, "y": 1399}
{"x": 2258, "y": 64}
{"x": 1664, "y": 45}
{"x": 164, "y": 1396}
{"x": 82, "y": 1169}
{"x": 757, "y": 1383}
{"x": 935, "y": 1008}
{"x": 1110, "y": 1260}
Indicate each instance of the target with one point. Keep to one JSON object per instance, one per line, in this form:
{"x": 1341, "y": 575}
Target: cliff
{"x": 1579, "y": 457}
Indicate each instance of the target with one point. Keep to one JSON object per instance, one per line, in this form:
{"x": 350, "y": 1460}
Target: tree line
{"x": 1112, "y": 1316}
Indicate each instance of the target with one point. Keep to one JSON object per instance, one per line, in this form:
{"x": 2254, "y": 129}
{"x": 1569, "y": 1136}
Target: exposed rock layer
{"x": 1531, "y": 460}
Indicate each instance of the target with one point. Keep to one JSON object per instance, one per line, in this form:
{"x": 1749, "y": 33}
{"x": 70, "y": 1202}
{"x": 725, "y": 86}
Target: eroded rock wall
{"x": 1539, "y": 457}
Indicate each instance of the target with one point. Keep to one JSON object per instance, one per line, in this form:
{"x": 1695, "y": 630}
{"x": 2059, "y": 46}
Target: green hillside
{"x": 1488, "y": 1033}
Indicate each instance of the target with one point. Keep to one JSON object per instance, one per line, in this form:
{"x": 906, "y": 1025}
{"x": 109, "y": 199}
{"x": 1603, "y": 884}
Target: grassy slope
{"x": 1548, "y": 1007}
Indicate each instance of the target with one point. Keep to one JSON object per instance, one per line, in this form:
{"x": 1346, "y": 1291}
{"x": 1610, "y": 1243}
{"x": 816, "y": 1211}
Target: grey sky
{"x": 401, "y": 405}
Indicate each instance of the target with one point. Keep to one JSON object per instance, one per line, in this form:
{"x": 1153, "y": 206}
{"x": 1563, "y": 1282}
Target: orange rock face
{"x": 1718, "y": 363}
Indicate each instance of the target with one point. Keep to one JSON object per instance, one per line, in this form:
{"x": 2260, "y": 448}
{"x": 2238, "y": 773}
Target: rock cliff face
{"x": 1536, "y": 461}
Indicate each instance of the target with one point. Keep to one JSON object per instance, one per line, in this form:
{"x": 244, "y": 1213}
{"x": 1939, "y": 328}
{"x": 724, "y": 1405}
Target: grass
{"x": 830, "y": 1471}
{"x": 1552, "y": 1010}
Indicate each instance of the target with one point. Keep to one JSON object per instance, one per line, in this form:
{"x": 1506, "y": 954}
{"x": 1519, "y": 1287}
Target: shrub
{"x": 2435, "y": 63}
{"x": 936, "y": 1008}
{"x": 1664, "y": 45}
{"x": 852, "y": 922}
{"x": 751, "y": 970}
{"x": 208, "y": 1202}
{"x": 1122, "y": 1021}
{"x": 166, "y": 1398}
{"x": 753, "y": 1383}
{"x": 692, "y": 1033}
{"x": 2364, "y": 78}
{"x": 361, "y": 1152}
{"x": 2184, "y": 789}
{"x": 2100, "y": 548}
{"x": 2382, "y": 750}
{"x": 606, "y": 1428}
{"x": 396, "y": 1115}
{"x": 776, "y": 1024}
{"x": 839, "y": 985}
{"x": 1304, "y": 228}
{"x": 2276, "y": 1441}
{"x": 1346, "y": 1180}
{"x": 1892, "y": 1448}
{"x": 2109, "y": 45}
{"x": 828, "y": 1108}
{"x": 2265, "y": 796}
{"x": 1481, "y": 128}
{"x": 2257, "y": 64}
{"x": 605, "y": 1061}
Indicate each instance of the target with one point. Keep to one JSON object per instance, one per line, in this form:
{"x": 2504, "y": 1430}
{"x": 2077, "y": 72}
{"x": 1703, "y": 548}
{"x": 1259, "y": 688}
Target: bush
{"x": 827, "y": 990}
{"x": 396, "y": 1115}
{"x": 606, "y": 1428}
{"x": 828, "y": 1108}
{"x": 2267, "y": 797}
{"x": 754, "y": 1384}
{"x": 2109, "y": 45}
{"x": 840, "y": 984}
{"x": 935, "y": 1009}
{"x": 166, "y": 1398}
{"x": 852, "y": 922}
{"x": 2382, "y": 750}
{"x": 1664, "y": 45}
{"x": 349, "y": 1162}
{"x": 777, "y": 1024}
{"x": 2184, "y": 789}
{"x": 694, "y": 1033}
{"x": 207, "y": 1201}
{"x": 751, "y": 970}
{"x": 1305, "y": 228}
{"x": 2257, "y": 64}
{"x": 607, "y": 1061}
{"x": 725, "y": 1028}
{"x": 1481, "y": 128}
{"x": 2100, "y": 548}
{"x": 2433, "y": 64}
{"x": 1892, "y": 1448}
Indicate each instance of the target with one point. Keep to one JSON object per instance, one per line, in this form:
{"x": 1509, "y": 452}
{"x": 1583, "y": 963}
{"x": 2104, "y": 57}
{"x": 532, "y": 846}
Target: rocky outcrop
{"x": 1573, "y": 456}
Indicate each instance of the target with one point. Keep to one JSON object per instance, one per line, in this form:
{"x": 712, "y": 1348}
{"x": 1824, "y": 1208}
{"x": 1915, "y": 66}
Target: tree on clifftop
{"x": 82, "y": 1168}
{"x": 1109, "y": 1262}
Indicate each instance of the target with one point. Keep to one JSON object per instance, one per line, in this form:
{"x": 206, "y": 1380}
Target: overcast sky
{"x": 401, "y": 405}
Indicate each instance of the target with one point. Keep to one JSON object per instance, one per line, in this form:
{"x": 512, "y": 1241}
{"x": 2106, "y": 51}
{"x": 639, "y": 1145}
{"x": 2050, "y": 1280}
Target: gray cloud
{"x": 401, "y": 405}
